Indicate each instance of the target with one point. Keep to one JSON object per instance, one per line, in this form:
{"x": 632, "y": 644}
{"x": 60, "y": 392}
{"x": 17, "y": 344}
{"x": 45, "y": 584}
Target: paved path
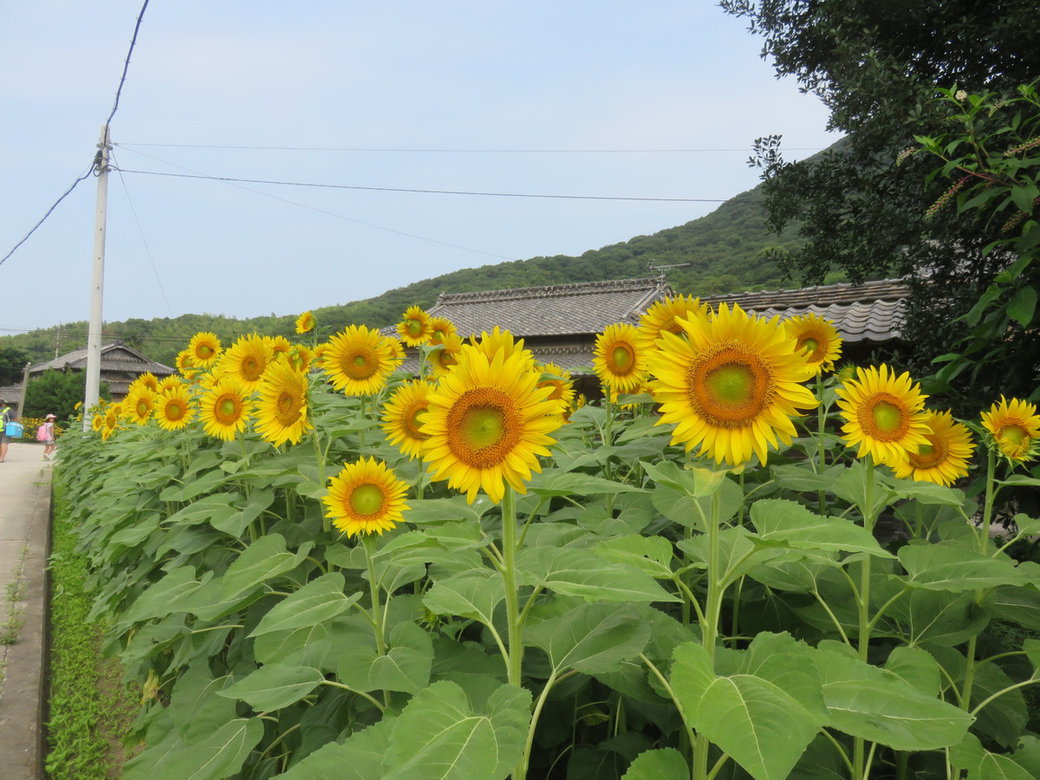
{"x": 25, "y": 504}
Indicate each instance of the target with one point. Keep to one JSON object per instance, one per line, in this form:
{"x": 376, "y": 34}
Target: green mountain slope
{"x": 724, "y": 252}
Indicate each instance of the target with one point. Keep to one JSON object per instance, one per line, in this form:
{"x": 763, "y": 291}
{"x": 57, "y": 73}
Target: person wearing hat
{"x": 48, "y": 439}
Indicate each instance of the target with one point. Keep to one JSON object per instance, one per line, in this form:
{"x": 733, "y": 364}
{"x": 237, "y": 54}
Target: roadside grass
{"x": 88, "y": 710}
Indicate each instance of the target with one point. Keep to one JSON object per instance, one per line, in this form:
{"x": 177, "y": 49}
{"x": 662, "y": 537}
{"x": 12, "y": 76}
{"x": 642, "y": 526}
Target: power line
{"x": 449, "y": 150}
{"x": 335, "y": 214}
{"x": 126, "y": 64}
{"x": 43, "y": 219}
{"x": 144, "y": 241}
{"x": 319, "y": 185}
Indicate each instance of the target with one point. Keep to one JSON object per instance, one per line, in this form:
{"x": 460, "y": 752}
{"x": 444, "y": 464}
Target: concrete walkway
{"x": 25, "y": 505}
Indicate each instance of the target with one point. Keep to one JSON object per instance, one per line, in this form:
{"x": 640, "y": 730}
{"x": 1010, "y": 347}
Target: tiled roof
{"x": 114, "y": 358}
{"x": 871, "y": 311}
{"x": 555, "y": 310}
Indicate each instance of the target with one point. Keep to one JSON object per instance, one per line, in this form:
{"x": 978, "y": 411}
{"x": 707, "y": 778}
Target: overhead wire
{"x": 97, "y": 158}
{"x": 337, "y": 215}
{"x": 455, "y": 150}
{"x": 144, "y": 241}
{"x": 422, "y": 191}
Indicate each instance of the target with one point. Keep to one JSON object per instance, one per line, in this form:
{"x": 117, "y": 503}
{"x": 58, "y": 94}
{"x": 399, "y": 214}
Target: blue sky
{"x": 391, "y": 81}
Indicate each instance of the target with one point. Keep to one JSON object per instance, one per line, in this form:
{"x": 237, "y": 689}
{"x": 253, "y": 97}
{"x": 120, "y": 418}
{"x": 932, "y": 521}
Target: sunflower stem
{"x": 821, "y": 449}
{"x": 863, "y": 598}
{"x": 710, "y": 625}
{"x": 514, "y": 623}
{"x": 983, "y": 536}
{"x": 319, "y": 458}
{"x": 377, "y": 609}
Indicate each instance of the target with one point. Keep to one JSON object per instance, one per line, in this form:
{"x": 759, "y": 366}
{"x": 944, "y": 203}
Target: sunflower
{"x": 300, "y": 357}
{"x": 185, "y": 363}
{"x": 1015, "y": 426}
{"x": 618, "y": 363}
{"x": 365, "y": 497}
{"x": 401, "y": 416}
{"x": 944, "y": 459}
{"x": 445, "y": 355}
{"x": 441, "y": 328}
{"x": 281, "y": 411}
{"x": 247, "y": 358}
{"x": 110, "y": 422}
{"x": 397, "y": 352}
{"x": 139, "y": 405}
{"x": 173, "y": 409}
{"x": 664, "y": 316}
{"x": 204, "y": 348}
{"x": 305, "y": 323}
{"x": 730, "y": 383}
{"x": 225, "y": 409}
{"x": 171, "y": 382}
{"x": 414, "y": 329}
{"x": 884, "y": 414}
{"x": 144, "y": 380}
{"x": 559, "y": 379}
{"x": 280, "y": 346}
{"x": 817, "y": 339}
{"x": 498, "y": 339}
{"x": 488, "y": 422}
{"x": 358, "y": 360}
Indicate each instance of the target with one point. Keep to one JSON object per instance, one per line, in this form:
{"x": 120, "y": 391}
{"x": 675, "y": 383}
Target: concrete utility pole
{"x": 97, "y": 286}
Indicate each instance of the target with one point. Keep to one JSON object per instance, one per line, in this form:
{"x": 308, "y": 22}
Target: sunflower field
{"x": 738, "y": 563}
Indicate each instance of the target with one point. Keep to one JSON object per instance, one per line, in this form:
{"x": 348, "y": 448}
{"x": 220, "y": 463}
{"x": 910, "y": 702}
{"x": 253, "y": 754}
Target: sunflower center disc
{"x": 928, "y": 455}
{"x": 888, "y": 418}
{"x": 483, "y": 427}
{"x": 366, "y": 500}
{"x": 175, "y": 411}
{"x": 1014, "y": 434}
{"x": 226, "y": 410}
{"x": 204, "y": 351}
{"x": 359, "y": 366}
{"x": 414, "y": 328}
{"x": 730, "y": 388}
{"x": 622, "y": 358}
{"x": 143, "y": 408}
{"x": 251, "y": 369}
{"x": 413, "y": 425}
{"x": 288, "y": 408}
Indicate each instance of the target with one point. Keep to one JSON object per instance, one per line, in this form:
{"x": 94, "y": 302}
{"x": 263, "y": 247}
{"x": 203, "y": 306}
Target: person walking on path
{"x": 48, "y": 437}
{"x": 5, "y": 417}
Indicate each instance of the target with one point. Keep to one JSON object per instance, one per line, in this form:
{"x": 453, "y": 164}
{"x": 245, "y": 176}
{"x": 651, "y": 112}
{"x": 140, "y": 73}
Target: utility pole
{"x": 97, "y": 285}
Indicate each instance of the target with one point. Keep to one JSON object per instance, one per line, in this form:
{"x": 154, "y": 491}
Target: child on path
{"x": 5, "y": 417}
{"x": 48, "y": 442}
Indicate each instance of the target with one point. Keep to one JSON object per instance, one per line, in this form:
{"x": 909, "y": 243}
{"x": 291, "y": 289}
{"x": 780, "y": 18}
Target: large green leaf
{"x": 320, "y": 599}
{"x": 982, "y": 765}
{"x": 788, "y": 524}
{"x": 1021, "y": 605}
{"x": 661, "y": 764}
{"x": 262, "y": 560}
{"x": 757, "y": 724}
{"x": 358, "y": 757}
{"x": 553, "y": 482}
{"x": 195, "y": 708}
{"x": 591, "y": 638}
{"x": 220, "y": 754}
{"x": 737, "y": 553}
{"x": 441, "y": 510}
{"x": 573, "y": 572}
{"x": 803, "y": 479}
{"x": 163, "y": 597}
{"x": 439, "y": 735}
{"x": 274, "y": 686}
{"x": 405, "y": 666}
{"x": 879, "y": 706}
{"x": 951, "y": 567}
{"x": 918, "y": 667}
{"x": 651, "y": 554}
{"x": 473, "y": 595}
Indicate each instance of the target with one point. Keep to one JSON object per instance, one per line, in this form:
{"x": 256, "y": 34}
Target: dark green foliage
{"x": 726, "y": 251}
{"x": 57, "y": 392}
{"x": 12, "y": 362}
{"x": 863, "y": 207}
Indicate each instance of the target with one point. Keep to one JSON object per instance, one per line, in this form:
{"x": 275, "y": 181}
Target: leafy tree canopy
{"x": 864, "y": 206}
{"x": 57, "y": 392}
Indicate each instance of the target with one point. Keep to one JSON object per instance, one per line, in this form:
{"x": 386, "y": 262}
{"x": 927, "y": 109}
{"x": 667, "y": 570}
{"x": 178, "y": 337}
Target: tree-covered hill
{"x": 725, "y": 252}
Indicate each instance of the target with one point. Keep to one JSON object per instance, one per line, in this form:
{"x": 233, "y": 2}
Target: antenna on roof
{"x": 662, "y": 268}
